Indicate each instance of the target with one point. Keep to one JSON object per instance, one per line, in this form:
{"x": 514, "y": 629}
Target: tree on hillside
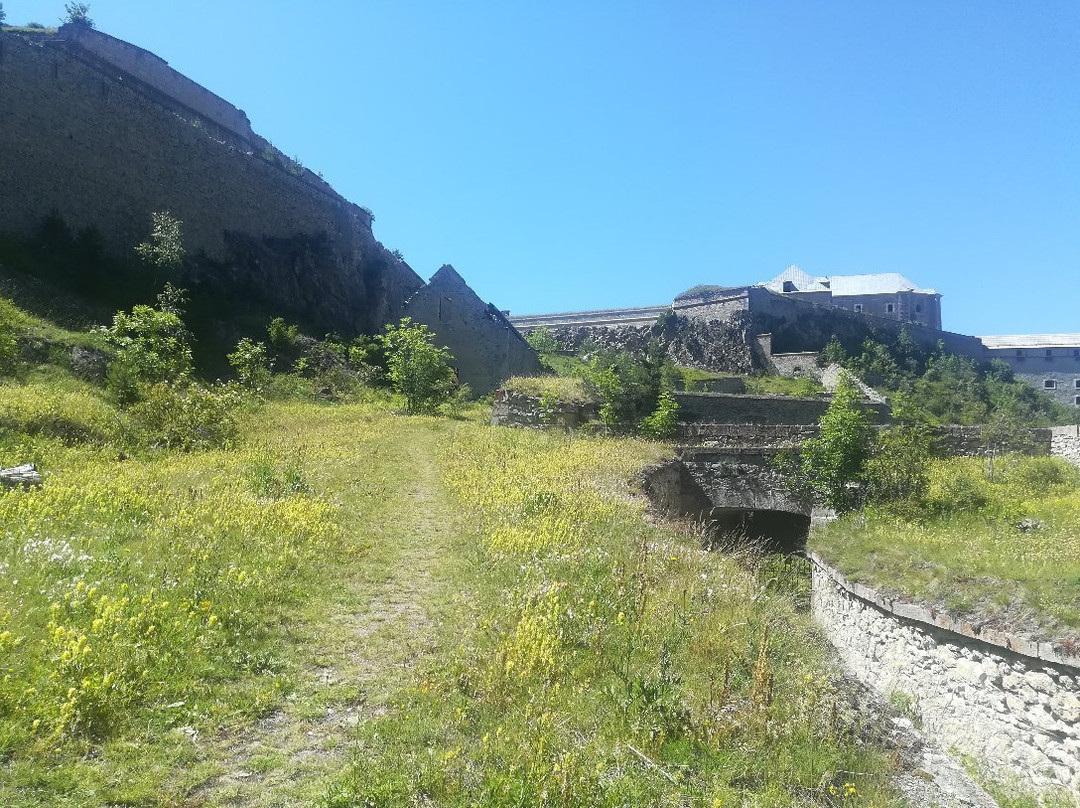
{"x": 417, "y": 368}
{"x": 3, "y": 14}
{"x": 833, "y": 462}
{"x": 78, "y": 14}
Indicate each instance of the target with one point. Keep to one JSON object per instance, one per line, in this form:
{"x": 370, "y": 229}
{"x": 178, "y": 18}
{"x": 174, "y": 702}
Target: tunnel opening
{"x": 758, "y": 529}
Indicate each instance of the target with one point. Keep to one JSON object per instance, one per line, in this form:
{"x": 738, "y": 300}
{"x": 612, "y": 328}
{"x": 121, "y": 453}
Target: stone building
{"x": 487, "y": 349}
{"x": 1048, "y": 362}
{"x": 886, "y": 294}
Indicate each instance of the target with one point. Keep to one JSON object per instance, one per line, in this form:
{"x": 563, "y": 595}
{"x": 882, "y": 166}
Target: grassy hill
{"x": 347, "y": 606}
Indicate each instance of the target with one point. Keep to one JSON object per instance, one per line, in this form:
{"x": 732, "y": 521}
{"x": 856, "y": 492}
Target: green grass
{"x": 1005, "y": 549}
{"x": 352, "y": 605}
{"x": 561, "y": 388}
{"x": 783, "y": 386}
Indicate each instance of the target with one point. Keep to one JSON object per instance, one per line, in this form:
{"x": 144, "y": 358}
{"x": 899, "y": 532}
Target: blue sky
{"x": 575, "y": 155}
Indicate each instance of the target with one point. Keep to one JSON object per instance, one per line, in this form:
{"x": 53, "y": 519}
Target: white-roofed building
{"x": 886, "y": 294}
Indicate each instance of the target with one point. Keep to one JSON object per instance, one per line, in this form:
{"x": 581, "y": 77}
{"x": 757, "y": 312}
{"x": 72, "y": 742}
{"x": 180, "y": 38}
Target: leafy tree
{"x": 664, "y": 421}
{"x": 151, "y": 345}
{"x": 897, "y": 472}
{"x": 78, "y": 14}
{"x": 3, "y": 14}
{"x": 164, "y": 251}
{"x": 629, "y": 386}
{"x": 418, "y": 369}
{"x": 251, "y": 363}
{"x": 542, "y": 341}
{"x": 832, "y": 463}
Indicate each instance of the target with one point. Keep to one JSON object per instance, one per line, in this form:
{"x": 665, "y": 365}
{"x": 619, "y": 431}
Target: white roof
{"x": 799, "y": 279}
{"x": 883, "y": 283}
{"x": 1032, "y": 341}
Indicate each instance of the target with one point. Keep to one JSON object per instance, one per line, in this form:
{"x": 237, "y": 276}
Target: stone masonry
{"x": 1011, "y": 704}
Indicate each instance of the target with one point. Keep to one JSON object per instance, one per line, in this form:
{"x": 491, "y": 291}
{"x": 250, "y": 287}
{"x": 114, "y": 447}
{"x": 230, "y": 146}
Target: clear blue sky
{"x": 574, "y": 155}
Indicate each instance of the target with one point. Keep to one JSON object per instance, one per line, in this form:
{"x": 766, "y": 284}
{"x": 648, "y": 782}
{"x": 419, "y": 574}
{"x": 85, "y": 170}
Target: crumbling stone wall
{"x": 725, "y": 408}
{"x": 530, "y": 412}
{"x": 1065, "y": 443}
{"x": 1010, "y": 703}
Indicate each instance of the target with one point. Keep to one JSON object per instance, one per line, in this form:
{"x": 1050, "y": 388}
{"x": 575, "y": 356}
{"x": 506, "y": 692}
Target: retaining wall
{"x": 1011, "y": 703}
{"x": 1065, "y": 442}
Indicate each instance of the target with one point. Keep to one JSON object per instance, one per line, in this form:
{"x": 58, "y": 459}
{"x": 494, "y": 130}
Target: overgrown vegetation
{"x": 160, "y": 606}
{"x": 950, "y": 389}
{"x": 1001, "y": 546}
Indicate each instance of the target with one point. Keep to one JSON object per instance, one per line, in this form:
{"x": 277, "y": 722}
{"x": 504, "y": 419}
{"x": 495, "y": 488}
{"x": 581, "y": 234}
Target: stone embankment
{"x": 1065, "y": 442}
{"x": 1010, "y": 703}
{"x": 532, "y": 412}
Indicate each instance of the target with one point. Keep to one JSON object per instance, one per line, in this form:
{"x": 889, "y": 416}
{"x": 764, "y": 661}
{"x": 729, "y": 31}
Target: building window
{"x": 918, "y": 308}
{"x": 889, "y": 308}
{"x": 1076, "y": 383}
{"x": 1076, "y": 400}
{"x": 1049, "y": 354}
{"x": 1050, "y": 384}
{"x": 1076, "y": 353}
{"x": 858, "y": 308}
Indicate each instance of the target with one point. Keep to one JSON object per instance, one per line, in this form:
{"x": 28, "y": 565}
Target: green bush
{"x": 186, "y": 416}
{"x": 151, "y": 345}
{"x": 251, "y": 363}
{"x": 664, "y": 421}
{"x": 628, "y": 387}
{"x": 418, "y": 369}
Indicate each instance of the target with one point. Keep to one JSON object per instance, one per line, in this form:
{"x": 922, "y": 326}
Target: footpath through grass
{"x": 351, "y": 607}
{"x": 996, "y": 543}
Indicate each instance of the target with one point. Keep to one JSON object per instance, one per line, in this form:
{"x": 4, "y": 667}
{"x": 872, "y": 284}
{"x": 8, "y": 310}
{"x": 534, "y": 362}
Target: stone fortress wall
{"x": 1011, "y": 703}
{"x": 105, "y": 133}
{"x": 87, "y": 141}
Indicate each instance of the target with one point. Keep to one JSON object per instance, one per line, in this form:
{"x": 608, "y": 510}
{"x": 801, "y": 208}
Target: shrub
{"x": 151, "y": 345}
{"x": 628, "y": 387}
{"x": 78, "y": 14}
{"x": 186, "y": 416}
{"x": 664, "y": 421}
{"x": 542, "y": 341}
{"x": 251, "y": 363}
{"x": 282, "y": 335}
{"x": 3, "y": 14}
{"x": 418, "y": 369}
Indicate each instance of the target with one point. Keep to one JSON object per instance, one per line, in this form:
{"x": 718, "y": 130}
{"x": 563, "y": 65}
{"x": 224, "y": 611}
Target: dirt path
{"x": 356, "y": 655}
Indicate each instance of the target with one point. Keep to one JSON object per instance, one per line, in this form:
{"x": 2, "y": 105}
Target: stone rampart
{"x": 81, "y": 140}
{"x": 531, "y": 412}
{"x": 725, "y": 408}
{"x": 1011, "y": 703}
{"x": 156, "y": 72}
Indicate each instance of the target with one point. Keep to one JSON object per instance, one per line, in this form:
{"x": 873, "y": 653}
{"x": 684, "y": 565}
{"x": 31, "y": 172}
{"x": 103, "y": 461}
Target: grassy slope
{"x": 973, "y": 548}
{"x": 474, "y": 613}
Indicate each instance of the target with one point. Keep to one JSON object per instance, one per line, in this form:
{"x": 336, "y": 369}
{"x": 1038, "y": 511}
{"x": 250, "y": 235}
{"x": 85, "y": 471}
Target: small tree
{"x": 418, "y": 369}
{"x": 3, "y": 14}
{"x": 833, "y": 462}
{"x": 78, "y": 14}
{"x": 151, "y": 345}
{"x": 251, "y": 363}
{"x": 164, "y": 250}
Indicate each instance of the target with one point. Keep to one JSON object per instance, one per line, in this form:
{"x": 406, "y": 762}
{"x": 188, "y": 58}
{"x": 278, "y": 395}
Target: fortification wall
{"x": 530, "y": 412}
{"x": 155, "y": 71}
{"x": 1065, "y": 443}
{"x": 80, "y": 140}
{"x": 486, "y": 348}
{"x": 799, "y": 325}
{"x": 724, "y": 408}
{"x": 1010, "y": 703}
